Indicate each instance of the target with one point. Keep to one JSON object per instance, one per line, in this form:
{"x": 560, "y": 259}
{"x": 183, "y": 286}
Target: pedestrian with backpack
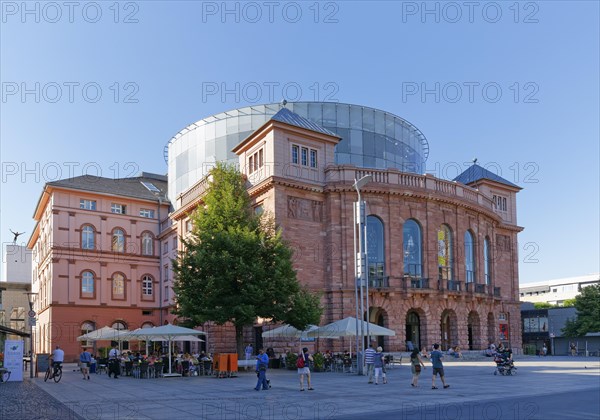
{"x": 302, "y": 365}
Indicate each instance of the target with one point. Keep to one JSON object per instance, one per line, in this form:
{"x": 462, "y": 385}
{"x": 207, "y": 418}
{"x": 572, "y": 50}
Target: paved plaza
{"x": 544, "y": 389}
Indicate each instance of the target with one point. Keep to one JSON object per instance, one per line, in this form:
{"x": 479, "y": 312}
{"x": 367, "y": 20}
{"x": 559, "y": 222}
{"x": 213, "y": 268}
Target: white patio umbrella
{"x": 287, "y": 331}
{"x": 168, "y": 333}
{"x": 347, "y": 328}
{"x": 104, "y": 333}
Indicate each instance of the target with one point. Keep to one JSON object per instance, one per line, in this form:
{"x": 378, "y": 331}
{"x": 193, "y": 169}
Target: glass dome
{"x": 370, "y": 138}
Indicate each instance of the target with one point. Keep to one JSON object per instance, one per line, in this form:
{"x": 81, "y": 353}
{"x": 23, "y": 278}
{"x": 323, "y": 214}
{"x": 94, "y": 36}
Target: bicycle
{"x": 51, "y": 375}
{"x": 4, "y": 375}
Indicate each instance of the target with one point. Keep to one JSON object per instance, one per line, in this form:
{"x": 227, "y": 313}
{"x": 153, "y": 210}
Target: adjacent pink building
{"x": 96, "y": 257}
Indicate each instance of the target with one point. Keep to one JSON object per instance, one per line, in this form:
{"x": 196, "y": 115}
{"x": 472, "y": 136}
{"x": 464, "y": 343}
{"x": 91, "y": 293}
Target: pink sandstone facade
{"x": 94, "y": 266}
{"x": 314, "y": 207}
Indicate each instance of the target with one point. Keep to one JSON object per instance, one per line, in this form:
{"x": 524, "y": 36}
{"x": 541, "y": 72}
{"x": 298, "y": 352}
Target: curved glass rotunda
{"x": 370, "y": 138}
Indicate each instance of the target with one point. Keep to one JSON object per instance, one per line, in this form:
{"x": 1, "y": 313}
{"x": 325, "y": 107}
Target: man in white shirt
{"x": 58, "y": 357}
{"x": 114, "y": 364}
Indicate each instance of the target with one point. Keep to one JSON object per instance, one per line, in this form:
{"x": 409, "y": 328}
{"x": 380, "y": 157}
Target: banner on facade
{"x": 13, "y": 359}
{"x": 503, "y": 332}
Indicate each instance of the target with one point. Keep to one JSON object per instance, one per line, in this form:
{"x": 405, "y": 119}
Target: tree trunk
{"x": 239, "y": 341}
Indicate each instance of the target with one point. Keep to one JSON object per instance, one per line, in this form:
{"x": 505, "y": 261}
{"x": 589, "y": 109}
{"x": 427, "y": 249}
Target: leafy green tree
{"x": 236, "y": 266}
{"x": 587, "y": 304}
{"x": 567, "y": 303}
{"x": 543, "y": 305}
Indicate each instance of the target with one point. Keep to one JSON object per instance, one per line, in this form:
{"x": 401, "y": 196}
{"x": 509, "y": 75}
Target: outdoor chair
{"x": 102, "y": 366}
{"x": 158, "y": 370}
{"x": 185, "y": 367}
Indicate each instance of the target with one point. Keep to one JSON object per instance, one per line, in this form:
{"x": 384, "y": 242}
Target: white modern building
{"x": 556, "y": 291}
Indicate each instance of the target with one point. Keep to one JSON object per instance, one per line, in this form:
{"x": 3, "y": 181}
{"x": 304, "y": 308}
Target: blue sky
{"x": 515, "y": 84}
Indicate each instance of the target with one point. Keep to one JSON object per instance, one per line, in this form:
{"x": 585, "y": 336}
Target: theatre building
{"x": 442, "y": 255}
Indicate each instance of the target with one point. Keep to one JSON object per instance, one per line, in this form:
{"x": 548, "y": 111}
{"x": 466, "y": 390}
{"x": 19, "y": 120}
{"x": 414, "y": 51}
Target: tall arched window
{"x": 147, "y": 287}
{"x": 87, "y": 327}
{"x": 87, "y": 283}
{"x": 147, "y": 243}
{"x": 118, "y": 286}
{"x": 487, "y": 262}
{"x": 118, "y": 240}
{"x": 469, "y": 257}
{"x": 375, "y": 250}
{"x": 88, "y": 237}
{"x": 119, "y": 325}
{"x": 411, "y": 236}
{"x": 445, "y": 251}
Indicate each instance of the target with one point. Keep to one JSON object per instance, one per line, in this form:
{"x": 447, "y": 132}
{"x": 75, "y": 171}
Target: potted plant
{"x": 290, "y": 360}
{"x": 318, "y": 362}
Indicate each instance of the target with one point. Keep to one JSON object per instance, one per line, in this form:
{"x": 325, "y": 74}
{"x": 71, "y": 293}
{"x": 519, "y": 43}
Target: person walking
{"x": 416, "y": 364}
{"x": 114, "y": 364}
{"x": 438, "y": 368}
{"x": 262, "y": 363}
{"x": 248, "y": 351}
{"x": 303, "y": 369}
{"x": 378, "y": 362}
{"x": 369, "y": 361}
{"x": 85, "y": 359}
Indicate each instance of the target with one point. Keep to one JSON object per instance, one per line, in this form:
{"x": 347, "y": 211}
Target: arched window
{"x": 411, "y": 237}
{"x": 87, "y": 283}
{"x": 87, "y": 327}
{"x": 147, "y": 286}
{"x": 118, "y": 240}
{"x": 469, "y": 257}
{"x": 88, "y": 237}
{"x": 487, "y": 261}
{"x": 147, "y": 243}
{"x": 118, "y": 286}
{"x": 375, "y": 249}
{"x": 119, "y": 325}
{"x": 445, "y": 250}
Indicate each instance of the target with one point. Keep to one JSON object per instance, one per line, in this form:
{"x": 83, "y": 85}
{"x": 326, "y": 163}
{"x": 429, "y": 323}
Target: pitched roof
{"x": 286, "y": 116}
{"x": 475, "y": 173}
{"x": 128, "y": 187}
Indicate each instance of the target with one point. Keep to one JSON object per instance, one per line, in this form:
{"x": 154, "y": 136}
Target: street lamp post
{"x": 360, "y": 267}
{"x": 31, "y": 319}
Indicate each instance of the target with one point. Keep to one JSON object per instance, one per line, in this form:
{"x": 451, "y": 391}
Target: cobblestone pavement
{"x": 27, "y": 401}
{"x": 473, "y": 389}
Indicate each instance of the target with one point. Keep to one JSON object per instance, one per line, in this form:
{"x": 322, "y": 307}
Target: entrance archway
{"x": 491, "y": 328}
{"x": 449, "y": 333}
{"x": 473, "y": 331}
{"x": 413, "y": 330}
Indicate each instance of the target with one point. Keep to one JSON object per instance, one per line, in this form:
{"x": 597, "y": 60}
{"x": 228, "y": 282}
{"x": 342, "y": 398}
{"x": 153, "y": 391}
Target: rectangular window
{"x": 149, "y": 213}
{"x": 166, "y": 295}
{"x": 87, "y": 204}
{"x": 313, "y": 158}
{"x": 500, "y": 202}
{"x": 295, "y": 153}
{"x": 165, "y": 247}
{"x": 304, "y": 156}
{"x": 175, "y": 243}
{"x": 166, "y": 273}
{"x": 189, "y": 225}
{"x": 117, "y": 208}
{"x": 255, "y": 161}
